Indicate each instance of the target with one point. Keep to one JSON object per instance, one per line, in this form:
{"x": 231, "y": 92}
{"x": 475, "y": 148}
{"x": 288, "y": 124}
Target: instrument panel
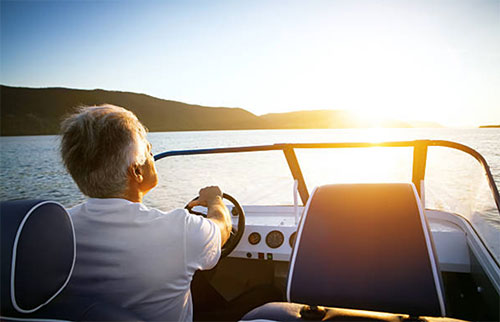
{"x": 270, "y": 233}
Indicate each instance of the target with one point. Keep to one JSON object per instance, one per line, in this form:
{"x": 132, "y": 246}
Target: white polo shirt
{"x": 139, "y": 258}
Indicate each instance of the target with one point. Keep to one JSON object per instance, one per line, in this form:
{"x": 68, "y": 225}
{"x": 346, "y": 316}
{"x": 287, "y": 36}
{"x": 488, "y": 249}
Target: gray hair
{"x": 98, "y": 145}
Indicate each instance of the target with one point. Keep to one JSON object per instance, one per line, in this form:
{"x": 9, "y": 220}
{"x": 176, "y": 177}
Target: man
{"x": 138, "y": 258}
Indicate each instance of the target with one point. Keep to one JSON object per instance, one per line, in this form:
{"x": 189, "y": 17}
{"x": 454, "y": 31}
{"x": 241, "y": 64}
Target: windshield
{"x": 455, "y": 181}
{"x": 253, "y": 178}
{"x": 459, "y": 186}
{"x": 355, "y": 165}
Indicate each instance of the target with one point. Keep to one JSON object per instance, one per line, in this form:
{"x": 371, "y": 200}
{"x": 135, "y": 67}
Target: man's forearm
{"x": 218, "y": 213}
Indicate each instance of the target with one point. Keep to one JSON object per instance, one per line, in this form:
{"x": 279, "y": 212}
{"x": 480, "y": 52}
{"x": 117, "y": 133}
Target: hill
{"x": 323, "y": 119}
{"x": 312, "y": 119}
{"x": 33, "y": 111}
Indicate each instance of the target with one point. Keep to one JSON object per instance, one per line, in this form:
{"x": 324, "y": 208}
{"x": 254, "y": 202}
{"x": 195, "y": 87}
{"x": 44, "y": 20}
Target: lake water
{"x": 31, "y": 168}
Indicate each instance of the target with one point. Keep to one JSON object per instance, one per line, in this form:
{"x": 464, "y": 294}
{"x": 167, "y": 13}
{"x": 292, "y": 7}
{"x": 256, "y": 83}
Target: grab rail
{"x": 420, "y": 148}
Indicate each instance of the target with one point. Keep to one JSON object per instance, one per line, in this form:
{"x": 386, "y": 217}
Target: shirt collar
{"x": 109, "y": 201}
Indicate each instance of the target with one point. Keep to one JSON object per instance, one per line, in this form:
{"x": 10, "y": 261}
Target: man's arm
{"x": 211, "y": 197}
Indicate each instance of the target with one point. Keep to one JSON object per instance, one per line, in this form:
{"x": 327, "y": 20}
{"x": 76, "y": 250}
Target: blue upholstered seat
{"x": 37, "y": 259}
{"x": 366, "y": 247}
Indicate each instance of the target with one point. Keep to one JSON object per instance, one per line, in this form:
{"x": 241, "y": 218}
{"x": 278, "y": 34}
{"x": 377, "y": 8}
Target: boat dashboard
{"x": 270, "y": 232}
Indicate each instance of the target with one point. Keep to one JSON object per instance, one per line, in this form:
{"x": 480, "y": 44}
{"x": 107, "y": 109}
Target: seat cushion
{"x": 282, "y": 311}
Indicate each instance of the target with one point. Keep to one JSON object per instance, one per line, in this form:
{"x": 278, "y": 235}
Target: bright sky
{"x": 413, "y": 60}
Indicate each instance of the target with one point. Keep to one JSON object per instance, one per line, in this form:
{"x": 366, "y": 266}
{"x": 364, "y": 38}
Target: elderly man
{"x": 139, "y": 258}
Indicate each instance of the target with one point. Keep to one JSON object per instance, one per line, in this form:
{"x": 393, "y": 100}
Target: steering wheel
{"x": 236, "y": 234}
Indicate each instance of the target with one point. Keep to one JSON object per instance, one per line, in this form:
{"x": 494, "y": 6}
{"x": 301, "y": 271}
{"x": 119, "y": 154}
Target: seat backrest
{"x": 366, "y": 246}
{"x": 38, "y": 254}
{"x": 37, "y": 259}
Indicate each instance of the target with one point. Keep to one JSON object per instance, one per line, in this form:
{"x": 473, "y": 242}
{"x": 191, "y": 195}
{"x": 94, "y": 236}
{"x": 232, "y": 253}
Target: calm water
{"x": 31, "y": 168}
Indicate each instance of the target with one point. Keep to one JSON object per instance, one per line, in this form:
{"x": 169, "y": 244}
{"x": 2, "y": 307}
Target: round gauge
{"x": 293, "y": 236}
{"x": 274, "y": 239}
{"x": 254, "y": 238}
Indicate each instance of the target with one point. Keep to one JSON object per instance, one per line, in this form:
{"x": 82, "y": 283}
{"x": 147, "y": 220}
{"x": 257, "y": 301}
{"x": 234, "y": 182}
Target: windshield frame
{"x": 420, "y": 148}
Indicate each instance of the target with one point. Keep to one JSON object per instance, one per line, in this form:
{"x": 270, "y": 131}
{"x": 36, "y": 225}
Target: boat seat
{"x": 37, "y": 259}
{"x": 361, "y": 247}
{"x": 283, "y": 311}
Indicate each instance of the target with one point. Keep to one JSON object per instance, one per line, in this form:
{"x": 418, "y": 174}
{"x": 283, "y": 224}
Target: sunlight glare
{"x": 365, "y": 165}
{"x": 382, "y": 75}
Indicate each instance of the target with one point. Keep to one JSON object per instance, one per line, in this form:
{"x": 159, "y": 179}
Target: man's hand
{"x": 207, "y": 195}
{"x": 211, "y": 197}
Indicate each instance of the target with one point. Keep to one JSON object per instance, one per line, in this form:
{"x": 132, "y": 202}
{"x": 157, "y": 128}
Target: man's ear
{"x": 135, "y": 172}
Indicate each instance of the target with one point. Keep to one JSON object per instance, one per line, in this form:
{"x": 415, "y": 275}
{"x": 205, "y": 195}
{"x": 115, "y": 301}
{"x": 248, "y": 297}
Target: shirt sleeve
{"x": 203, "y": 243}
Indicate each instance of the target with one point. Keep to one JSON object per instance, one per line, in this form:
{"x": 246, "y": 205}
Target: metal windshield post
{"x": 293, "y": 164}
{"x": 419, "y": 163}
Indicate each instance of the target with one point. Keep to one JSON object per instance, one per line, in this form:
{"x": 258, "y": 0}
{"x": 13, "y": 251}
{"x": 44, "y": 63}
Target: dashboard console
{"x": 270, "y": 232}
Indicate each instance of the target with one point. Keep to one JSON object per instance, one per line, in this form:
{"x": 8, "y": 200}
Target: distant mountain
{"x": 312, "y": 119}
{"x": 489, "y": 126}
{"x": 29, "y": 111}
{"x": 324, "y": 119}
{"x": 33, "y": 111}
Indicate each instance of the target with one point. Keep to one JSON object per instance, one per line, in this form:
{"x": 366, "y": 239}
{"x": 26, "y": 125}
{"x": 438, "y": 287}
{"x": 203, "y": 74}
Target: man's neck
{"x": 134, "y": 195}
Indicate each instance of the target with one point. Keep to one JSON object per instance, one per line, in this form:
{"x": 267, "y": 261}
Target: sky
{"x": 411, "y": 60}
